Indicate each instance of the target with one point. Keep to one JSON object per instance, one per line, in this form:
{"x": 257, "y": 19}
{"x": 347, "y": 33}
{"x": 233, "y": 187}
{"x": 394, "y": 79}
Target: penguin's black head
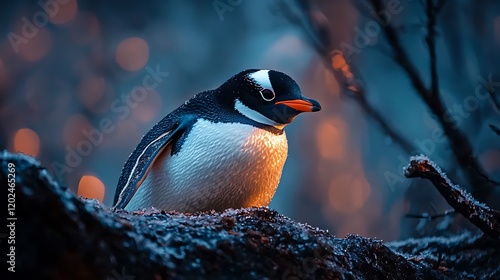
{"x": 267, "y": 96}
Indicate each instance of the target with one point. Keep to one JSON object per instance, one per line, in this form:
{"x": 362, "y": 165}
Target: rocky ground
{"x": 61, "y": 236}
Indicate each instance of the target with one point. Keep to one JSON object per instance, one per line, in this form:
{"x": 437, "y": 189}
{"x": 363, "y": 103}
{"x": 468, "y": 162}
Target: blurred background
{"x": 72, "y": 95}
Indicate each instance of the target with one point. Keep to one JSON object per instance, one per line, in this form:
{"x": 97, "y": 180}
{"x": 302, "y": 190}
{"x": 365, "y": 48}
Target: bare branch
{"x": 459, "y": 142}
{"x": 488, "y": 220}
{"x": 317, "y": 35}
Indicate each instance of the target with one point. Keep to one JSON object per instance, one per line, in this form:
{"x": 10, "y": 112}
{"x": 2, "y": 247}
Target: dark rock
{"x": 61, "y": 236}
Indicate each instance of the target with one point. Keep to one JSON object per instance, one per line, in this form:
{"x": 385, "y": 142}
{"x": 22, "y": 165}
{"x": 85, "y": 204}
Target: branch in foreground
{"x": 488, "y": 220}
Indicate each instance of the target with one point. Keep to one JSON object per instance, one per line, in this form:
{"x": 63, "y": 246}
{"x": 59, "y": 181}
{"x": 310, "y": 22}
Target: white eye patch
{"x": 261, "y": 78}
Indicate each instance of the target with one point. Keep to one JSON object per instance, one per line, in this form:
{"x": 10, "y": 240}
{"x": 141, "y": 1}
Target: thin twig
{"x": 428, "y": 217}
{"x": 488, "y": 220}
{"x": 495, "y": 129}
{"x": 488, "y": 179}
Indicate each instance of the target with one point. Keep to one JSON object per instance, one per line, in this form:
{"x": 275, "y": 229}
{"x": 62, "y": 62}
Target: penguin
{"x": 223, "y": 148}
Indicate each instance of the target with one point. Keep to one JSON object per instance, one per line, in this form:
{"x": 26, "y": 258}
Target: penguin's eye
{"x": 267, "y": 94}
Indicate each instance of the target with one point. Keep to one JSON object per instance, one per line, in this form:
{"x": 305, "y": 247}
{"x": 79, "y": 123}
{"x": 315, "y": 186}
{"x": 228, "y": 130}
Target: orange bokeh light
{"x": 330, "y": 139}
{"x": 132, "y": 53}
{"x": 348, "y": 193}
{"x": 65, "y": 12}
{"x": 91, "y": 187}
{"x": 26, "y": 141}
{"x": 340, "y": 64}
{"x": 338, "y": 61}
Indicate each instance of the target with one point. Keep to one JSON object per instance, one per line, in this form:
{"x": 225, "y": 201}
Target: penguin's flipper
{"x": 142, "y": 159}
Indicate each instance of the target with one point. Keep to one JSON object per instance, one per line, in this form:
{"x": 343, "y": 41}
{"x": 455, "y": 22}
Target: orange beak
{"x": 302, "y": 105}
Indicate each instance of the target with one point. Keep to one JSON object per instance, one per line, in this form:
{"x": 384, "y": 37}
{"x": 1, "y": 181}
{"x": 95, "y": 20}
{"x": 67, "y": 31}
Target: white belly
{"x": 221, "y": 165}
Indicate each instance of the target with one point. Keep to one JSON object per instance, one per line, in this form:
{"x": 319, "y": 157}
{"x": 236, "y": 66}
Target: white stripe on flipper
{"x": 120, "y": 197}
{"x": 261, "y": 78}
{"x": 255, "y": 116}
